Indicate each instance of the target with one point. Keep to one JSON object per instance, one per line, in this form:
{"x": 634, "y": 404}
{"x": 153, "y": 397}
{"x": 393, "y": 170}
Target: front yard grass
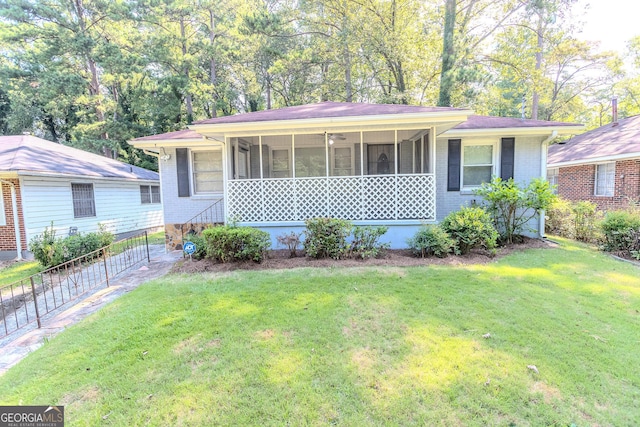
{"x": 359, "y": 346}
{"x": 17, "y": 271}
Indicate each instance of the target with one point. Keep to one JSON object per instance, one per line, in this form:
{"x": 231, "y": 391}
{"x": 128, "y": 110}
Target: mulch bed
{"x": 280, "y": 259}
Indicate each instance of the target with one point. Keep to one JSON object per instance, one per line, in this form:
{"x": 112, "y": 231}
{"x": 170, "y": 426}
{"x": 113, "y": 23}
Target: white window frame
{"x": 192, "y": 171}
{"x": 552, "y": 178}
{"x": 608, "y": 185}
{"x": 77, "y": 214}
{"x": 494, "y": 156}
{"x": 151, "y": 199}
{"x": 3, "y": 215}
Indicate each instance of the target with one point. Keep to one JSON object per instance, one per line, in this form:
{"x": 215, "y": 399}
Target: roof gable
{"x": 28, "y": 154}
{"x": 601, "y": 144}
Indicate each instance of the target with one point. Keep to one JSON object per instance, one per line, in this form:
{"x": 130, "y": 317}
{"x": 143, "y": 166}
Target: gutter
{"x": 543, "y": 174}
{"x": 16, "y": 219}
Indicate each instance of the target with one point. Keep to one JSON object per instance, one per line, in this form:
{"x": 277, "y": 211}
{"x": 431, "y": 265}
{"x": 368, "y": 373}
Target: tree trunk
{"x": 187, "y": 96}
{"x": 212, "y": 65}
{"x": 536, "y": 95}
{"x": 448, "y": 54}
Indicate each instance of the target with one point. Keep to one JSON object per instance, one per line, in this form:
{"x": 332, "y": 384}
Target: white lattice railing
{"x": 378, "y": 197}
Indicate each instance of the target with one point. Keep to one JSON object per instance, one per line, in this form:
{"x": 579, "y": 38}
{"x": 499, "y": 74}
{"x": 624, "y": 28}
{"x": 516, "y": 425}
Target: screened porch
{"x": 360, "y": 176}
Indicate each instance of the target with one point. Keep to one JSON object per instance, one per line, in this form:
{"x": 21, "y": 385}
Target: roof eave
{"x": 594, "y": 160}
{"x": 516, "y": 131}
{"x": 184, "y": 142}
{"x": 40, "y": 174}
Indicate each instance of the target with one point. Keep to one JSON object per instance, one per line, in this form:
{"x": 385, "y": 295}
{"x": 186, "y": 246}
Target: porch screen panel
{"x": 310, "y": 161}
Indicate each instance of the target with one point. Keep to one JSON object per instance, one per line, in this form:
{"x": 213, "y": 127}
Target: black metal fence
{"x": 29, "y": 300}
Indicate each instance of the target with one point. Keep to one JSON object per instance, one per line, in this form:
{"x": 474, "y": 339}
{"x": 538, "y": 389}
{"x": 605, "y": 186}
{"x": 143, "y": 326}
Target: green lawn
{"x": 362, "y": 346}
{"x": 17, "y": 271}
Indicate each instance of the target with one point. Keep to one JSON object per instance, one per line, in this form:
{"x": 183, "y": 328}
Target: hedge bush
{"x": 471, "y": 227}
{"x": 231, "y": 243}
{"x": 431, "y": 240}
{"x": 574, "y": 220}
{"x": 50, "y": 250}
{"x": 327, "y": 237}
{"x": 366, "y": 242}
{"x": 621, "y": 230}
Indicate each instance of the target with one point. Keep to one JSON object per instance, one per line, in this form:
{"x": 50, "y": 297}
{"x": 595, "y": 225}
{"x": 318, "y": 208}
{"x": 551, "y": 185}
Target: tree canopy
{"x": 96, "y": 73}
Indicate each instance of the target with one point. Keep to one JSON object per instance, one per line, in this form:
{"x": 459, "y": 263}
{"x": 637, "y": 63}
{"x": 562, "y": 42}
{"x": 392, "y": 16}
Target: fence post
{"x": 104, "y": 260}
{"x": 146, "y": 242}
{"x": 35, "y": 301}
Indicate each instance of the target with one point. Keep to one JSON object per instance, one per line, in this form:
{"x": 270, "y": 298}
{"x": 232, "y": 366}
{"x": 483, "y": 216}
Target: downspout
{"x": 16, "y": 219}
{"x": 543, "y": 174}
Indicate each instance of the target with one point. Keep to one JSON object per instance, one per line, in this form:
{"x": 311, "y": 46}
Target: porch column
{"x": 395, "y": 177}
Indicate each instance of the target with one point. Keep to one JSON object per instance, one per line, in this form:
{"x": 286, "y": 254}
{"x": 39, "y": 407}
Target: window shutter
{"x": 453, "y": 165}
{"x": 182, "y": 166}
{"x": 507, "y": 156}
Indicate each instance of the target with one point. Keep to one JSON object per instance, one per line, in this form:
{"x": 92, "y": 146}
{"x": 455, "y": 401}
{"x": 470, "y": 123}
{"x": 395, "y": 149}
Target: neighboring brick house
{"x": 44, "y": 183}
{"x": 601, "y": 166}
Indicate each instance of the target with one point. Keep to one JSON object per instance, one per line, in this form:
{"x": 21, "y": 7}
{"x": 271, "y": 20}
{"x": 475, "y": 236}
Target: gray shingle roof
{"x": 325, "y": 110}
{"x": 491, "y": 122}
{"x": 604, "y": 142}
{"x": 28, "y": 154}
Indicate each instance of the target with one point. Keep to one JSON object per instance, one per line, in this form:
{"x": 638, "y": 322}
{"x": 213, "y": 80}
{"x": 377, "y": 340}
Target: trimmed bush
{"x": 560, "y": 219}
{"x": 366, "y": 242}
{"x": 471, "y": 227}
{"x": 621, "y": 231}
{"x": 201, "y": 246}
{"x": 327, "y": 237}
{"x": 229, "y": 244}
{"x": 431, "y": 240}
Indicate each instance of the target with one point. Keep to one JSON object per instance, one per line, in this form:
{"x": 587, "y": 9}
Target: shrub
{"x": 366, "y": 242}
{"x": 560, "y": 219}
{"x": 291, "y": 241}
{"x": 470, "y": 227}
{"x": 512, "y": 206}
{"x": 201, "y": 246}
{"x": 586, "y": 218}
{"x": 50, "y": 251}
{"x": 326, "y": 237}
{"x": 621, "y": 230}
{"x": 229, "y": 243}
{"x": 431, "y": 240}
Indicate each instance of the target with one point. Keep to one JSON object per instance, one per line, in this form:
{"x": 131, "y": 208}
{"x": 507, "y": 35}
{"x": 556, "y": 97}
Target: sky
{"x": 612, "y": 22}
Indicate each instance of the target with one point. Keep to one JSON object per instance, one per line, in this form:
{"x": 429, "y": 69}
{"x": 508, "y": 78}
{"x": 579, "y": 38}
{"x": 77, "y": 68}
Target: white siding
{"x": 526, "y": 167}
{"x": 118, "y": 206}
{"x": 178, "y": 210}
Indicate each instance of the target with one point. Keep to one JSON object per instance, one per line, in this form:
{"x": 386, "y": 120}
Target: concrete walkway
{"x": 15, "y": 347}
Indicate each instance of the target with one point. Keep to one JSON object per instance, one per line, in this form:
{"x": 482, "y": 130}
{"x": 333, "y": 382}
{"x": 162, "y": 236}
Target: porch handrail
{"x": 205, "y": 217}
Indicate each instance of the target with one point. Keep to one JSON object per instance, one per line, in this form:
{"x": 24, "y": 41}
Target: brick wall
{"x": 577, "y": 183}
{"x": 7, "y": 232}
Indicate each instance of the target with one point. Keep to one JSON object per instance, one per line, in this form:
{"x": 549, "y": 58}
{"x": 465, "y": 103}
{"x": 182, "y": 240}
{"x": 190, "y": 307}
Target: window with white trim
{"x": 605, "y": 179}
{"x": 3, "y": 215}
{"x": 206, "y": 168}
{"x": 552, "y": 177}
{"x": 149, "y": 194}
{"x": 84, "y": 204}
{"x": 478, "y": 164}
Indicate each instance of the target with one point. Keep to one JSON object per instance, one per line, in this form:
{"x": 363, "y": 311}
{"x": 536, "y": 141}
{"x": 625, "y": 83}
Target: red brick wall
{"x": 577, "y": 183}
{"x": 7, "y": 232}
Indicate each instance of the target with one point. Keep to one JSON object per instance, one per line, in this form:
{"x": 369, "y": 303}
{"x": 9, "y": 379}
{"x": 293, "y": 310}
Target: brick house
{"x": 42, "y": 182}
{"x": 601, "y": 166}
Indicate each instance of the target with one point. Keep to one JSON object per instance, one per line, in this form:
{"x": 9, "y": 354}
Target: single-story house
{"x": 43, "y": 182}
{"x": 601, "y": 166}
{"x": 395, "y": 165}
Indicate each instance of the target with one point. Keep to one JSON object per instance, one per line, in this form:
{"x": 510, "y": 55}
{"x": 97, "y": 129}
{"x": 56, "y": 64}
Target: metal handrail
{"x": 213, "y": 214}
